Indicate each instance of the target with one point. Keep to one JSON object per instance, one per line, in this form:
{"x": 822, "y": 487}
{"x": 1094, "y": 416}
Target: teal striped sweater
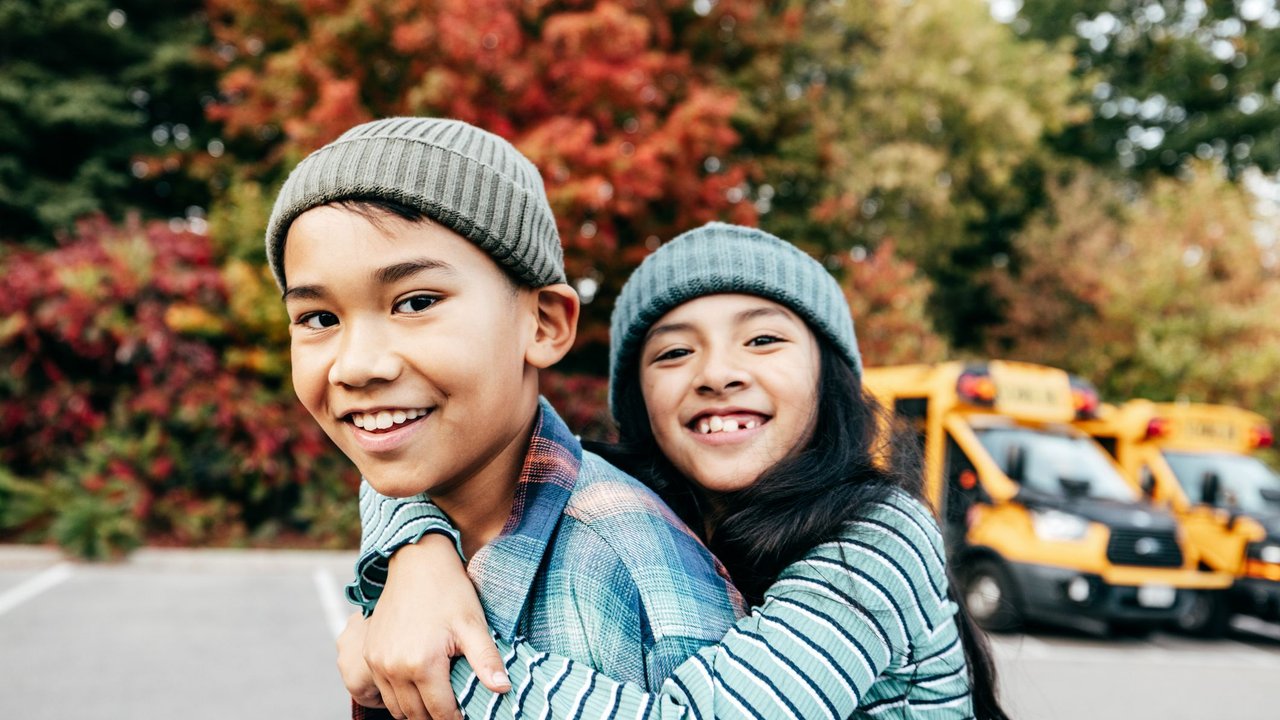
{"x": 860, "y": 627}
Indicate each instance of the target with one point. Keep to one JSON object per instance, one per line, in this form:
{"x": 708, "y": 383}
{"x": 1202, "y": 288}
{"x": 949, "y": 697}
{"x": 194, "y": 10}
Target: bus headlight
{"x": 1055, "y": 525}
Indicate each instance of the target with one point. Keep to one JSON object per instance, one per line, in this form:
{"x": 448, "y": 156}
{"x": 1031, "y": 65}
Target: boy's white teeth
{"x": 384, "y": 419}
{"x": 751, "y": 424}
{"x": 716, "y": 423}
{"x": 731, "y": 426}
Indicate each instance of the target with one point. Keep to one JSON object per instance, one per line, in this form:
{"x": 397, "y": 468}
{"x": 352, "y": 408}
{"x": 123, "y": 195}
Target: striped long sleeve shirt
{"x": 860, "y": 627}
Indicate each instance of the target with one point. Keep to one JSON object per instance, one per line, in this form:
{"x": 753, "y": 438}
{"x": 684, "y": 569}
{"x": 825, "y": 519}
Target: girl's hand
{"x": 427, "y": 615}
{"x": 355, "y": 672}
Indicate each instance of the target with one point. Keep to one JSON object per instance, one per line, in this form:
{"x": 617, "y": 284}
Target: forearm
{"x": 388, "y": 524}
{"x": 771, "y": 664}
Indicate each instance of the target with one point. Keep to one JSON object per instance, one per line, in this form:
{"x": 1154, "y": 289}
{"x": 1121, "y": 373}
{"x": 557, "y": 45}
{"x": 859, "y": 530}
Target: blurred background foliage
{"x": 1086, "y": 184}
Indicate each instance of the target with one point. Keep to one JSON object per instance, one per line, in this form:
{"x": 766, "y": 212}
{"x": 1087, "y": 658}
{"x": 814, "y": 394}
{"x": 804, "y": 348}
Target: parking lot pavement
{"x": 189, "y": 634}
{"x": 198, "y": 634}
{"x": 1049, "y": 674}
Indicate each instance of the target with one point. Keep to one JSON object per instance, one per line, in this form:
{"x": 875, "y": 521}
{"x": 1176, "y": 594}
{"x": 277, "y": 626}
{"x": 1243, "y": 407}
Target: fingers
{"x": 355, "y": 672}
{"x": 477, "y": 646}
{"x": 436, "y": 693}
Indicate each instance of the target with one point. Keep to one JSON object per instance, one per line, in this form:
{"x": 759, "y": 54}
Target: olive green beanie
{"x": 719, "y": 258}
{"x": 469, "y": 180}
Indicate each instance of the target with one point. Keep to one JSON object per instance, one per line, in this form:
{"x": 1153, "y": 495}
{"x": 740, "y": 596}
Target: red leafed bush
{"x": 131, "y": 407}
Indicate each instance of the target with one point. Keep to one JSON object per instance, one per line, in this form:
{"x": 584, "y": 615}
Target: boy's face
{"x": 408, "y": 347}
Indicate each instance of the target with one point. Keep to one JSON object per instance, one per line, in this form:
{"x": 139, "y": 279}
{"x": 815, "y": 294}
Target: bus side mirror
{"x": 1016, "y": 463}
{"x": 1147, "y": 482}
{"x": 1210, "y": 488}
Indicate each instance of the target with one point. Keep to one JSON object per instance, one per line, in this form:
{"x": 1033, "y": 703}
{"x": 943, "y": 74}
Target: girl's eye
{"x": 416, "y": 304}
{"x": 761, "y": 340}
{"x": 318, "y": 320}
{"x": 672, "y": 354}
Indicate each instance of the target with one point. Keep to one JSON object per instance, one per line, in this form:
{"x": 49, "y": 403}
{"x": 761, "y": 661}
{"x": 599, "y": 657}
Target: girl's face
{"x": 730, "y": 383}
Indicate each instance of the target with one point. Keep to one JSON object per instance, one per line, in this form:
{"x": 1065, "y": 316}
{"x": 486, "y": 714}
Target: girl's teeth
{"x": 750, "y": 424}
{"x": 731, "y": 426}
{"x": 704, "y": 427}
{"x": 716, "y": 423}
{"x": 398, "y": 417}
{"x": 384, "y": 420}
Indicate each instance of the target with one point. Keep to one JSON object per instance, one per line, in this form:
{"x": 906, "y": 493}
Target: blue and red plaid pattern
{"x": 590, "y": 564}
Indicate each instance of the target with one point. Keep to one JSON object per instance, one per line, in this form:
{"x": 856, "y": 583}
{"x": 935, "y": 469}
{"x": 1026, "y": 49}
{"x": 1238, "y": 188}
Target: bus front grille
{"x": 1147, "y": 548}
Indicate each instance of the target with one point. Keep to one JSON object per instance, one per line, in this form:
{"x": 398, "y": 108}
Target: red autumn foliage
{"x": 117, "y": 389}
{"x": 613, "y": 100}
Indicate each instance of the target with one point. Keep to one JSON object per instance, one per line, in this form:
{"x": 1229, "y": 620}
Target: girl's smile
{"x": 730, "y": 385}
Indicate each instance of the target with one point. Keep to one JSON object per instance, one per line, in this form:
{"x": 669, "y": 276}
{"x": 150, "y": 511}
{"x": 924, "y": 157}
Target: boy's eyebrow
{"x": 304, "y": 292}
{"x": 394, "y": 273}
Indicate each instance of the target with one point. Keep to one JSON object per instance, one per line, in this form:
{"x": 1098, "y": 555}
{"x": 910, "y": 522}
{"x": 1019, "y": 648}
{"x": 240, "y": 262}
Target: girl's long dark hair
{"x": 802, "y": 501}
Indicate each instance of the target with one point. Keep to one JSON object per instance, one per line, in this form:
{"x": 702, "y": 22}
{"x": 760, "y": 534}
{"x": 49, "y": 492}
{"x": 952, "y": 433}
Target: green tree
{"x": 90, "y": 91}
{"x": 1165, "y": 296}
{"x": 921, "y": 123}
{"x": 1173, "y": 81}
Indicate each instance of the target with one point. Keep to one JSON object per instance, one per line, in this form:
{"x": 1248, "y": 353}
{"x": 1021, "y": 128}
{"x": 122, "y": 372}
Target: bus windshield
{"x": 1049, "y": 459}
{"x": 1246, "y": 482}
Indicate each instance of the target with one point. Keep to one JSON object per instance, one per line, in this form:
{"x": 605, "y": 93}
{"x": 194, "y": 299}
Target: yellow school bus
{"x": 1038, "y": 522}
{"x": 1197, "y": 460}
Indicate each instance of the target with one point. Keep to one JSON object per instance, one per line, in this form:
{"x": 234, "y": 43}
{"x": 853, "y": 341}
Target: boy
{"x": 424, "y": 281}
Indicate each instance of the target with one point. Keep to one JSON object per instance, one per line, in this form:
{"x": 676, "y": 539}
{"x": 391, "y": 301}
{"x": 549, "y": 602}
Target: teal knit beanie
{"x": 469, "y": 180}
{"x": 718, "y": 258}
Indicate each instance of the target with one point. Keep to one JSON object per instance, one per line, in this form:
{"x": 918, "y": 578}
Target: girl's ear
{"x": 557, "y": 308}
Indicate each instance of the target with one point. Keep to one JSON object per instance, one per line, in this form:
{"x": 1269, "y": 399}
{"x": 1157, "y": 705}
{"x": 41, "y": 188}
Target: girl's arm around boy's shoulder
{"x": 835, "y": 623}
{"x": 386, "y": 525}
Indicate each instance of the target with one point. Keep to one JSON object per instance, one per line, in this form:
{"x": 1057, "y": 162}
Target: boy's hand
{"x": 427, "y": 615}
{"x": 355, "y": 672}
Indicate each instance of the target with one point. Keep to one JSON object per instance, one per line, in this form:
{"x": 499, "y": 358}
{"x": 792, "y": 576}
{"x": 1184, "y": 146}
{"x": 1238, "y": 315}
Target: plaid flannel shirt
{"x": 590, "y": 564}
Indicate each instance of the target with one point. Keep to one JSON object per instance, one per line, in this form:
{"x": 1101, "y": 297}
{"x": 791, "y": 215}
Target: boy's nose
{"x": 364, "y": 357}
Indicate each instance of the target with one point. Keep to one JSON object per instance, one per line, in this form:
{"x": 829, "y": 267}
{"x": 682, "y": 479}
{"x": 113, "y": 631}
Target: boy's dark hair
{"x": 802, "y": 501}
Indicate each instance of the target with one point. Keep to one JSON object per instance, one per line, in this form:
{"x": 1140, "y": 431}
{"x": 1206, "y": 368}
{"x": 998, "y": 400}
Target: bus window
{"x": 1247, "y": 484}
{"x": 1055, "y": 464}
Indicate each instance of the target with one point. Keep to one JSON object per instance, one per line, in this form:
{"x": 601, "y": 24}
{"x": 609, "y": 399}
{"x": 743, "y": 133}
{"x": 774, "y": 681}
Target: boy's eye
{"x": 417, "y": 303}
{"x": 761, "y": 340}
{"x": 318, "y": 320}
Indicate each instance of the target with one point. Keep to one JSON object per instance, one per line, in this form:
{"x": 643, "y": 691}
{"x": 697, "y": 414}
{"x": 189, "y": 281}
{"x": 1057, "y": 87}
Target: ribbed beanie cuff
{"x": 469, "y": 180}
{"x": 719, "y": 258}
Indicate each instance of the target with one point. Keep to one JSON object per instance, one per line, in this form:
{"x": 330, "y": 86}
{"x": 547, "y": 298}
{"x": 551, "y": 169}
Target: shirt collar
{"x": 505, "y": 568}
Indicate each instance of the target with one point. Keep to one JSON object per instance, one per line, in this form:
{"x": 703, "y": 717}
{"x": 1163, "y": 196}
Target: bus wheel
{"x": 989, "y": 596}
{"x": 1207, "y": 615}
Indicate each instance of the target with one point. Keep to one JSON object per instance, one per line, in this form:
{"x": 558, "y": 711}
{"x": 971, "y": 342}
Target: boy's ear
{"x": 557, "y": 309}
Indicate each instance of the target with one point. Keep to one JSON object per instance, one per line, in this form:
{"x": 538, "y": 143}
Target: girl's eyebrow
{"x": 754, "y": 313}
{"x": 666, "y": 329}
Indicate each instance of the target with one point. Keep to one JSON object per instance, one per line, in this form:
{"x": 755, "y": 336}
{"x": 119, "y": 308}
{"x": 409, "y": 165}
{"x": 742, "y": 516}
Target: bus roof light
{"x": 1158, "y": 427}
{"x": 976, "y": 387}
{"x": 1260, "y": 436}
{"x": 1085, "y": 399}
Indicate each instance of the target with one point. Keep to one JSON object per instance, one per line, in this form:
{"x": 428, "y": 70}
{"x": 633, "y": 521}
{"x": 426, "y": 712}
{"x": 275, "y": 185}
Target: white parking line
{"x": 327, "y": 588}
{"x": 34, "y": 586}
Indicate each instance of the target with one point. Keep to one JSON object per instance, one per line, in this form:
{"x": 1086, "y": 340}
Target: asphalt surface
{"x": 249, "y": 634}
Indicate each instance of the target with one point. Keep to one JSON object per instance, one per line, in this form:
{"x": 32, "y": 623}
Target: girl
{"x": 735, "y": 379}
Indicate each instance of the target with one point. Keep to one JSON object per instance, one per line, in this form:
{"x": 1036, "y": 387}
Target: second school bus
{"x": 1037, "y": 519}
{"x": 1196, "y": 459}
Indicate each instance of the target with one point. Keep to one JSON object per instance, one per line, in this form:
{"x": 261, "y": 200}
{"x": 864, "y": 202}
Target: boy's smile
{"x": 409, "y": 348}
